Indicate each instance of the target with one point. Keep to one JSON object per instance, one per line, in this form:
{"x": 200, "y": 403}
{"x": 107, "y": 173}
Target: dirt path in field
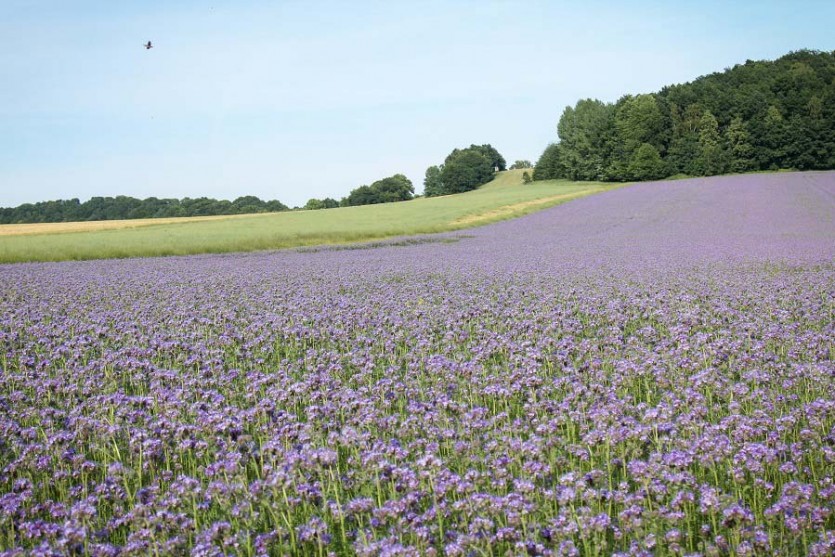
{"x": 508, "y": 210}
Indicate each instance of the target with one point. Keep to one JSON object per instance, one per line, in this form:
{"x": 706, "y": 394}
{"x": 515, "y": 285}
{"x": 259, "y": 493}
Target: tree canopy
{"x": 433, "y": 185}
{"x": 463, "y": 170}
{"x": 548, "y": 167}
{"x": 387, "y": 190}
{"x": 496, "y": 160}
{"x": 123, "y": 207}
{"x": 762, "y": 115}
{"x": 314, "y": 204}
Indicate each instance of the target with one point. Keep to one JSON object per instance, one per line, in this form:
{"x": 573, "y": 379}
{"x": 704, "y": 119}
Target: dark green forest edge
{"x": 756, "y": 116}
{"x": 123, "y": 207}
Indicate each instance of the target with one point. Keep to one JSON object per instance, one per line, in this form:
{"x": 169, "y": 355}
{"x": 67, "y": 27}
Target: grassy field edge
{"x": 504, "y": 198}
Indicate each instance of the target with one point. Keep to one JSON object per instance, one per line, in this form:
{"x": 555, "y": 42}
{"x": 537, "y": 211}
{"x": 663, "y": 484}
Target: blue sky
{"x": 293, "y": 100}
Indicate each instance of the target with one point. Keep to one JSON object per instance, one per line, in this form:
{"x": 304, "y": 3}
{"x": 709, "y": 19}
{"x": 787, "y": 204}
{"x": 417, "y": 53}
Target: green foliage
{"x": 496, "y": 160}
{"x": 387, "y": 190}
{"x": 526, "y": 177}
{"x": 587, "y": 134}
{"x": 465, "y": 170}
{"x": 548, "y": 167}
{"x": 125, "y": 208}
{"x": 433, "y": 185}
{"x": 711, "y": 157}
{"x": 394, "y": 188}
{"x": 362, "y": 195}
{"x": 316, "y": 204}
{"x": 646, "y": 163}
{"x": 739, "y": 147}
{"x": 521, "y": 164}
{"x": 639, "y": 120}
{"x": 754, "y": 116}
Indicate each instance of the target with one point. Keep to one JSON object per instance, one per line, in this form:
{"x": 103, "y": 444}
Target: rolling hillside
{"x": 505, "y": 197}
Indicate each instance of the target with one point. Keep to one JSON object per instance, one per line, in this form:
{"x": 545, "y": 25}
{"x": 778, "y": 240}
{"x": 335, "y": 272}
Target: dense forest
{"x": 123, "y": 207}
{"x": 763, "y": 115}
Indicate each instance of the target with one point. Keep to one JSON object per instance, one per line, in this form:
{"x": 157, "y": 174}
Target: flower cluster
{"x": 627, "y": 374}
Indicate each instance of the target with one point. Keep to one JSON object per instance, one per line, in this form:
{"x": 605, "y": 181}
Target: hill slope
{"x": 503, "y": 198}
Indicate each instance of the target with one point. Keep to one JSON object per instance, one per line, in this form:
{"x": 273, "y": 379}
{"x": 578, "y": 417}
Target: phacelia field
{"x": 647, "y": 371}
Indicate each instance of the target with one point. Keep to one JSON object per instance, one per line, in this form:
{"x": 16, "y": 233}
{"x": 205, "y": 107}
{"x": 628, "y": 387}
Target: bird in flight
{"x": 148, "y": 45}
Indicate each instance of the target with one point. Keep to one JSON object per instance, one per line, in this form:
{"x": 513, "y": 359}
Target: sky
{"x": 293, "y": 100}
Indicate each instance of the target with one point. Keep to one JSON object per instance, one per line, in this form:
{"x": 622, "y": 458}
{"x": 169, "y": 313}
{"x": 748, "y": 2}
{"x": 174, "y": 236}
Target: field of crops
{"x": 505, "y": 197}
{"x": 647, "y": 371}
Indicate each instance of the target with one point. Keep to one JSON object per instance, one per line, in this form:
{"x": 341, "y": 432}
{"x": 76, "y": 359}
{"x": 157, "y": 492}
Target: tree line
{"x": 462, "y": 170}
{"x": 124, "y": 207}
{"x": 387, "y": 190}
{"x": 760, "y": 115}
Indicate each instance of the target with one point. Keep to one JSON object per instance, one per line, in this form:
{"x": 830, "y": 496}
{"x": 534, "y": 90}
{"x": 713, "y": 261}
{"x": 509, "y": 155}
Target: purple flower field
{"x": 648, "y": 371}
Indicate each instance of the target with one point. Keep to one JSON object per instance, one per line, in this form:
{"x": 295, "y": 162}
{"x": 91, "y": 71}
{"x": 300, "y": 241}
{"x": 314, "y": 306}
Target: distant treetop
{"x": 393, "y": 188}
{"x": 122, "y": 207}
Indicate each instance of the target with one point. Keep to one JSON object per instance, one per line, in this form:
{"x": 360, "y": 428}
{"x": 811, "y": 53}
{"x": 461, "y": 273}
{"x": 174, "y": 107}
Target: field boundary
{"x": 506, "y": 197}
{"x": 507, "y": 211}
{"x": 36, "y": 228}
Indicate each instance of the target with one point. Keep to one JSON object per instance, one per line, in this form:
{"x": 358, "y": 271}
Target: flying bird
{"x": 148, "y": 45}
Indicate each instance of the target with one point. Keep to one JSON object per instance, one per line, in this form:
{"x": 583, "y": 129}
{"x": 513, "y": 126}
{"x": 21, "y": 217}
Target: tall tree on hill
{"x": 492, "y": 155}
{"x": 465, "y": 170}
{"x": 433, "y": 185}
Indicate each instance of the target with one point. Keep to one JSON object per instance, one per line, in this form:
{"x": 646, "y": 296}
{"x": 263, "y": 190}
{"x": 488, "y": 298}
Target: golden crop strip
{"x": 70, "y": 227}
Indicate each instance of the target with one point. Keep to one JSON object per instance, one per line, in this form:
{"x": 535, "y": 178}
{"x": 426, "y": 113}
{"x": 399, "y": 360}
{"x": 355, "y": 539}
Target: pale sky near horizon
{"x": 293, "y": 100}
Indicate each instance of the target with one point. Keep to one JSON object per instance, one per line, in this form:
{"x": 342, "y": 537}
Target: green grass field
{"x": 505, "y": 197}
